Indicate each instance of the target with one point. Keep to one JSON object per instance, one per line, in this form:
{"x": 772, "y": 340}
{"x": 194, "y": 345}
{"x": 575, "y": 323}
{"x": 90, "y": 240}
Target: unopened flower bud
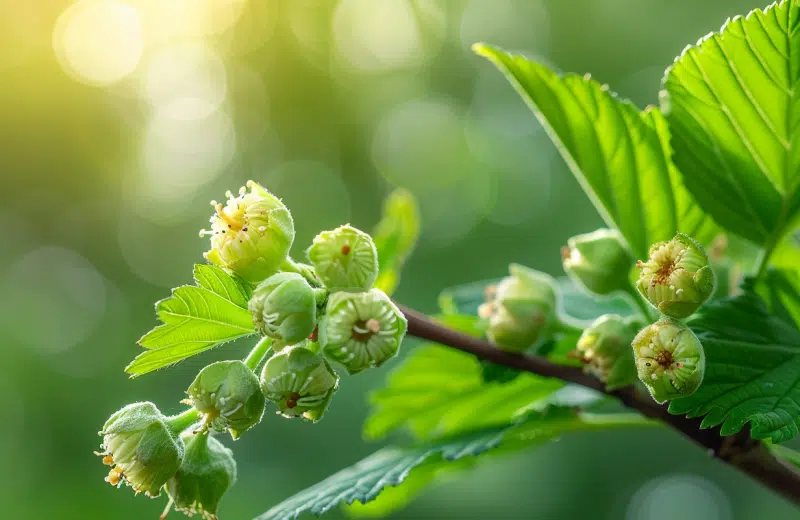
{"x": 605, "y": 349}
{"x": 669, "y": 359}
{"x": 361, "y": 330}
{"x": 676, "y": 279}
{"x": 207, "y": 472}
{"x": 598, "y": 261}
{"x": 345, "y": 259}
{"x": 300, "y": 382}
{"x": 251, "y": 233}
{"x": 141, "y": 448}
{"x": 229, "y": 396}
{"x": 522, "y": 309}
{"x": 284, "y": 308}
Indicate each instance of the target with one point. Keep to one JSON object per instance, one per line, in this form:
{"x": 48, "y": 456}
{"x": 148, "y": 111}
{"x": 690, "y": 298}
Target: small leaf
{"x": 395, "y": 237}
{"x": 574, "y": 302}
{"x": 196, "y": 318}
{"x": 619, "y": 155}
{"x": 753, "y": 362}
{"x": 732, "y": 104}
{"x": 364, "y": 481}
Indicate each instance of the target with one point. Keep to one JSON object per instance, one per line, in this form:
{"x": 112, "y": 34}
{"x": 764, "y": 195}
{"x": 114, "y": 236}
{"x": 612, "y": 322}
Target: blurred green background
{"x": 120, "y": 120}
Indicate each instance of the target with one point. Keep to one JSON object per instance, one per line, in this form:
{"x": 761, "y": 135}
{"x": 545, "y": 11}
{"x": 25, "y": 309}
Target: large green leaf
{"x": 196, "y": 318}
{"x": 753, "y": 370}
{"x": 574, "y": 302}
{"x": 395, "y": 237}
{"x": 619, "y": 155}
{"x": 732, "y": 105}
{"x": 392, "y": 466}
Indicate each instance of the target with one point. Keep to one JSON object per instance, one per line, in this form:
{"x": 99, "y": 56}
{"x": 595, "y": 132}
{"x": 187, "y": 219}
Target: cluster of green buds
{"x": 521, "y": 310}
{"x": 677, "y": 280}
{"x": 309, "y": 316}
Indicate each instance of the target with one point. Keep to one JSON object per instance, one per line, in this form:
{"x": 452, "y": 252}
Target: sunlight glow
{"x": 99, "y": 42}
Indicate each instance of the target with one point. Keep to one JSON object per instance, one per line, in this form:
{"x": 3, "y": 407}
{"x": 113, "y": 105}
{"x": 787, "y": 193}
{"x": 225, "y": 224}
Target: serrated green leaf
{"x": 196, "y": 318}
{"x": 364, "y": 481}
{"x": 395, "y": 237}
{"x": 753, "y": 362}
{"x": 574, "y": 302}
{"x": 619, "y": 155}
{"x": 731, "y": 103}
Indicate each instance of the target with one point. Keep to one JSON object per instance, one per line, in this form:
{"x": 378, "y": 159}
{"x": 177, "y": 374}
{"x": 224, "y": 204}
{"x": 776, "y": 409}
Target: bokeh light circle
{"x": 53, "y": 298}
{"x": 378, "y": 36}
{"x": 99, "y": 42}
{"x": 683, "y": 496}
{"x": 186, "y": 81}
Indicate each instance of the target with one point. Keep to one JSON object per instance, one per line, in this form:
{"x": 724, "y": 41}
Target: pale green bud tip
{"x": 141, "y": 449}
{"x": 669, "y": 359}
{"x": 207, "y": 472}
{"x": 251, "y": 234}
{"x": 229, "y": 396}
{"x": 605, "y": 349}
{"x": 345, "y": 259}
{"x": 676, "y": 278}
{"x": 599, "y": 261}
{"x": 520, "y": 310}
{"x": 284, "y": 308}
{"x": 361, "y": 330}
{"x": 300, "y": 382}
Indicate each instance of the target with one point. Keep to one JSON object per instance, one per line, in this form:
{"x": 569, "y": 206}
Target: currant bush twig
{"x": 259, "y": 353}
{"x": 749, "y": 456}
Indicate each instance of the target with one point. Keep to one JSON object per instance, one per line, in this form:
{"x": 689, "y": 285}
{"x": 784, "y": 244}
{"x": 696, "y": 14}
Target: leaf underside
{"x": 196, "y": 318}
{"x": 731, "y": 103}
{"x": 619, "y": 155}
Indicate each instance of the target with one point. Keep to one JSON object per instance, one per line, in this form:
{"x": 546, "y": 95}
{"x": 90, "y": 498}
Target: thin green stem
{"x": 644, "y": 308}
{"x": 259, "y": 353}
{"x": 763, "y": 259}
{"x": 307, "y": 272}
{"x": 182, "y": 421}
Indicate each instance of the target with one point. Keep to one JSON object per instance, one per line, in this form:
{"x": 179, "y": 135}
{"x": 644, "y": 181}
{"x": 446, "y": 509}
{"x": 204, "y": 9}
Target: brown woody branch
{"x": 740, "y": 451}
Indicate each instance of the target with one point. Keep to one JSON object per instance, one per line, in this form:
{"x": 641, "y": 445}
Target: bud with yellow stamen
{"x": 251, "y": 234}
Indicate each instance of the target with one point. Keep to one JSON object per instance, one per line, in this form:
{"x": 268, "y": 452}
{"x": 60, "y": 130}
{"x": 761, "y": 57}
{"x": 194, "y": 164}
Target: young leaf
{"x": 619, "y": 155}
{"x": 364, "y": 481}
{"x": 196, "y": 318}
{"x": 732, "y": 104}
{"x": 753, "y": 362}
{"x": 574, "y": 302}
{"x": 395, "y": 237}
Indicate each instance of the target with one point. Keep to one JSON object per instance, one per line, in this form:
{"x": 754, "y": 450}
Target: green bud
{"x": 141, "y": 447}
{"x": 229, "y": 396}
{"x": 598, "y": 261}
{"x": 345, "y": 259}
{"x": 521, "y": 310}
{"x": 361, "y": 330}
{"x": 669, "y": 359}
{"x": 605, "y": 349}
{"x": 207, "y": 472}
{"x": 300, "y": 382}
{"x": 284, "y": 308}
{"x": 251, "y": 234}
{"x": 676, "y": 279}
